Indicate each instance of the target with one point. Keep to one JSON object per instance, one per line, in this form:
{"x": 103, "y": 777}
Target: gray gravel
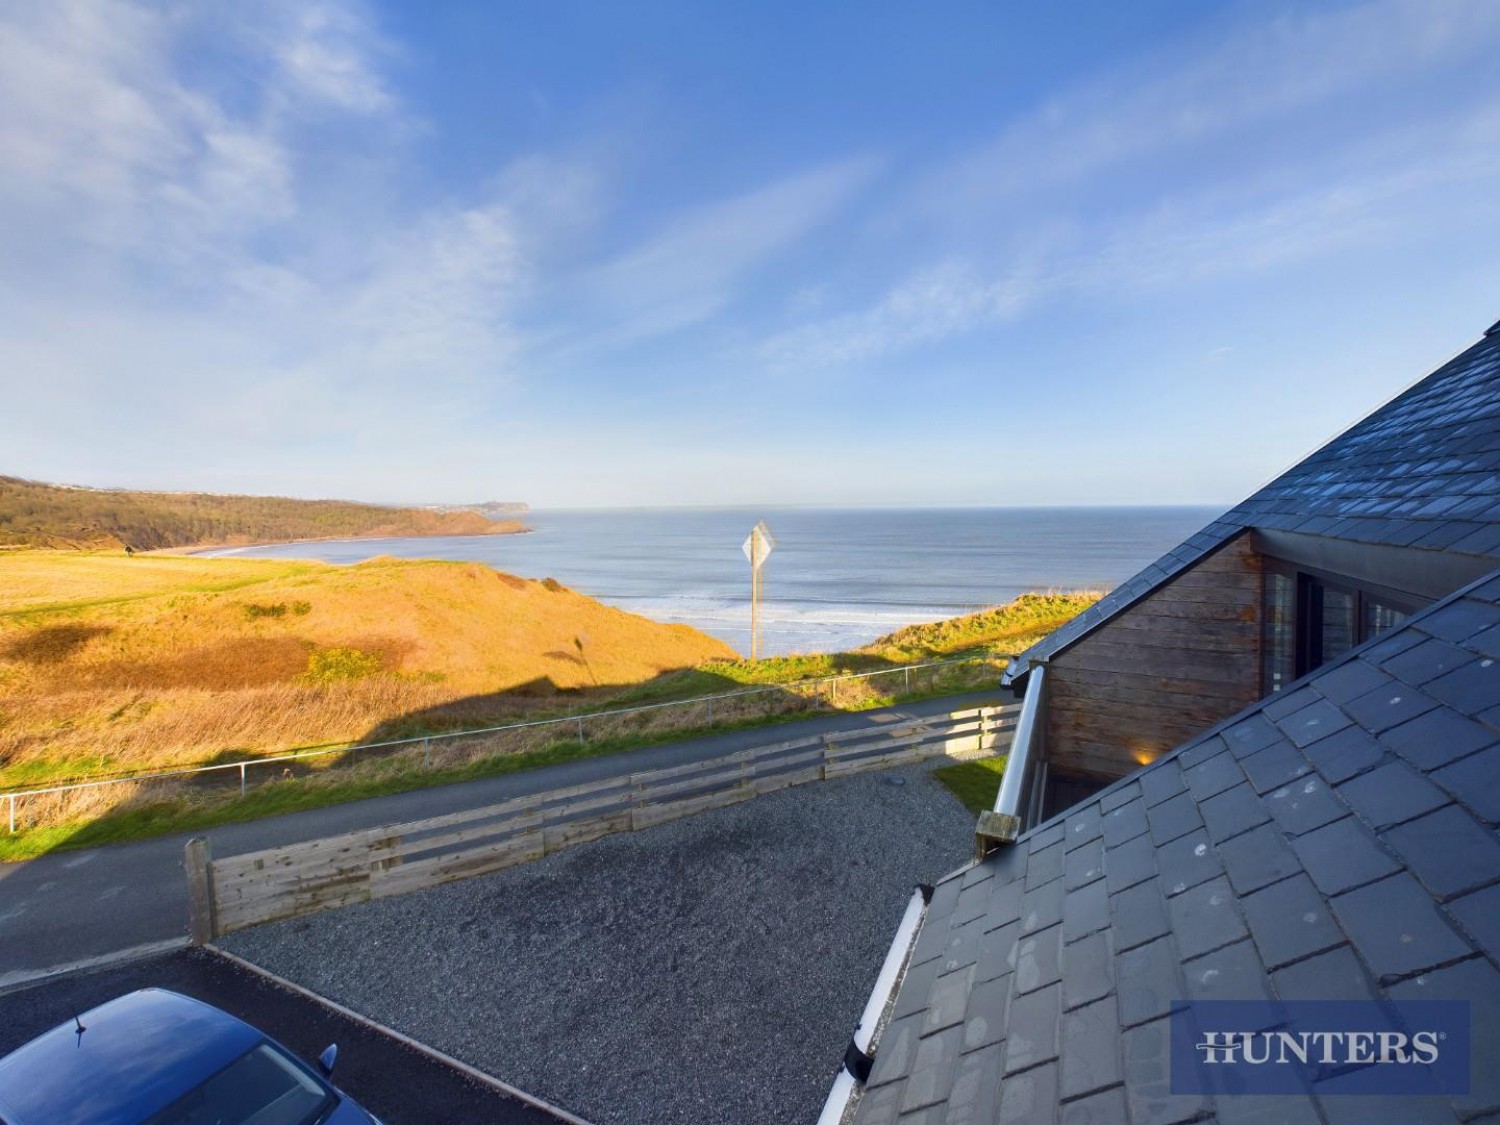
{"x": 705, "y": 971}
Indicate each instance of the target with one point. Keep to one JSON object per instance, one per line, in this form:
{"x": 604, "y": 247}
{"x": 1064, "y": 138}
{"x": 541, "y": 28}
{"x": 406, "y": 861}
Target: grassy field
{"x": 113, "y": 665}
{"x": 974, "y": 783}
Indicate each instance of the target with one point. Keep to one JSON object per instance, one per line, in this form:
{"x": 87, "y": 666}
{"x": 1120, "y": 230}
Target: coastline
{"x": 205, "y": 548}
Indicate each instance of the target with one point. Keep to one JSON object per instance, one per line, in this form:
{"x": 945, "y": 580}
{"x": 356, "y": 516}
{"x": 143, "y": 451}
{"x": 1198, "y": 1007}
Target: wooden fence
{"x": 245, "y": 890}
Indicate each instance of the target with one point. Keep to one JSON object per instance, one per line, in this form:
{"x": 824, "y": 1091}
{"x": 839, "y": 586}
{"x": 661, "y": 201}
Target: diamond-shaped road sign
{"x": 759, "y": 544}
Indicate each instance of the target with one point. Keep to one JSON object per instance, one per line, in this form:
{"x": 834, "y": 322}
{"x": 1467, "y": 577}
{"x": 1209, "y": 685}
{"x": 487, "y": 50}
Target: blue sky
{"x": 686, "y": 253}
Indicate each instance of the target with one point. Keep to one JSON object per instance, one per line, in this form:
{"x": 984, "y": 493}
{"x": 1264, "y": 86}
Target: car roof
{"x": 135, "y": 1055}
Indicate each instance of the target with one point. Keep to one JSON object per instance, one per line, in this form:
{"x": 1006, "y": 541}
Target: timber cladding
{"x": 1180, "y": 660}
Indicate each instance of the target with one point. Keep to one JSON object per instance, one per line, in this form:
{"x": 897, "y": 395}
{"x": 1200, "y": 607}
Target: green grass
{"x": 974, "y": 783}
{"x": 383, "y": 778}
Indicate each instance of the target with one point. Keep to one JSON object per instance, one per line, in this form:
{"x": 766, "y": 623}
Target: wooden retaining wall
{"x": 245, "y": 890}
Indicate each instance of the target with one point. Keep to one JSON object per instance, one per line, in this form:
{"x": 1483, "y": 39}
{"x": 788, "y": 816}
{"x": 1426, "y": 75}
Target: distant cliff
{"x": 48, "y": 515}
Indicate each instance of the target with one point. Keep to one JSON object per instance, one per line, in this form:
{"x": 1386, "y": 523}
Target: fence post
{"x": 908, "y": 680}
{"x": 196, "y": 859}
{"x": 12, "y": 814}
{"x": 426, "y": 753}
{"x": 710, "y": 710}
{"x": 580, "y": 728}
{"x": 242, "y": 779}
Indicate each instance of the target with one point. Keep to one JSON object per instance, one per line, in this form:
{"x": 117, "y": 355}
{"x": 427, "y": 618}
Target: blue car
{"x": 156, "y": 1058}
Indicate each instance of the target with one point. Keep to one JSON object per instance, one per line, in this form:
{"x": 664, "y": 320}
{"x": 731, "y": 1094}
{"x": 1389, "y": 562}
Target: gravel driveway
{"x": 701, "y": 972}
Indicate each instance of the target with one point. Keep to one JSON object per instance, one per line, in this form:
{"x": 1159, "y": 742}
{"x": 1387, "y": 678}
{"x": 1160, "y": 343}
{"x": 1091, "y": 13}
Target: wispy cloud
{"x": 1014, "y": 239}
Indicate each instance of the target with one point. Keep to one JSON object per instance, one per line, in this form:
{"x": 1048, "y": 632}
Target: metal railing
{"x": 576, "y": 725}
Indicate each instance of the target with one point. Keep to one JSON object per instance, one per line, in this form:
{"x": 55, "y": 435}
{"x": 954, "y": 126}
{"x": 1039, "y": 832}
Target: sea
{"x": 836, "y": 579}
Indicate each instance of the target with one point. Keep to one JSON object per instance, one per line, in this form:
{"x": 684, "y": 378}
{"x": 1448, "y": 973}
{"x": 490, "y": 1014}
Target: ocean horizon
{"x": 838, "y": 578}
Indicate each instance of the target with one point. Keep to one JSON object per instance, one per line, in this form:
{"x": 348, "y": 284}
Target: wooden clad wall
{"x": 1174, "y": 664}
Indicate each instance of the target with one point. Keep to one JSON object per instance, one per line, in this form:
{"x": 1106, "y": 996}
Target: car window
{"x": 261, "y": 1087}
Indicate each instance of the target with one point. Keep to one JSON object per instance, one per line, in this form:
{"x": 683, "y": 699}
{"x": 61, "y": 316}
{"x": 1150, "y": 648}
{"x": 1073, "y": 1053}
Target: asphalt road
{"x": 399, "y": 1085}
{"x": 72, "y": 906}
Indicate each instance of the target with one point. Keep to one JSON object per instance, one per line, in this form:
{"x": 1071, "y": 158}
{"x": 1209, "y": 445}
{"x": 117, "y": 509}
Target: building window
{"x": 1311, "y": 618}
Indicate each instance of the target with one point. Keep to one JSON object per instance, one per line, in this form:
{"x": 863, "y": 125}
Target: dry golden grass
{"x": 111, "y": 664}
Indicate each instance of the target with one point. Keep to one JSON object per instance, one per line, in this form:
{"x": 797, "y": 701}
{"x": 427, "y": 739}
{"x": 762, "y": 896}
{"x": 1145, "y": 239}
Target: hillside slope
{"x": 110, "y": 663}
{"x": 48, "y": 515}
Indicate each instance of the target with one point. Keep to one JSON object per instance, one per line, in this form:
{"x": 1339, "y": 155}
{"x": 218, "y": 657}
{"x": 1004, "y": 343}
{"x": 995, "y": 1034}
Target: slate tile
{"x": 1160, "y": 782}
{"x": 1342, "y": 855}
{"x": 1487, "y": 642}
{"x": 981, "y": 872}
{"x": 1459, "y": 620}
{"x": 1349, "y": 681}
{"x": 1288, "y": 703}
{"x": 1438, "y": 738}
{"x": 1084, "y": 864}
{"x": 1267, "y": 1109}
{"x": 1037, "y": 960}
{"x": 1392, "y": 793}
{"x": 944, "y": 899}
{"x": 1232, "y": 812}
{"x": 1254, "y": 732}
{"x": 1257, "y": 859}
{"x": 1196, "y": 753}
{"x": 975, "y": 1093}
{"x": 1427, "y": 661}
{"x": 972, "y": 901}
{"x": 1475, "y": 781}
{"x": 1173, "y": 818}
{"x": 1104, "y": 1108}
{"x": 1186, "y": 862}
{"x": 984, "y": 1013}
{"x": 1333, "y": 975}
{"x": 1044, "y": 866}
{"x": 1479, "y": 915}
{"x": 1138, "y": 915}
{"x": 1117, "y": 795}
{"x": 1388, "y": 707}
{"x": 947, "y": 1000}
{"x": 1032, "y": 1027}
{"x": 1447, "y": 850}
{"x": 1277, "y": 765}
{"x": 1129, "y": 864}
{"x": 1045, "y": 836}
{"x": 1087, "y": 970}
{"x": 931, "y": 1070}
{"x": 1205, "y": 917}
{"x": 1029, "y": 1098}
{"x": 1148, "y": 1079}
{"x": 1004, "y": 906}
{"x": 1354, "y": 1109}
{"x": 1042, "y": 907}
{"x": 995, "y": 950}
{"x": 879, "y": 1106}
{"x": 1213, "y": 775}
{"x": 1397, "y": 928}
{"x": 1397, "y": 641}
{"x": 1345, "y": 754}
{"x": 1124, "y": 823}
{"x": 1314, "y": 722}
{"x": 1084, "y": 825}
{"x": 1471, "y": 689}
{"x": 1476, "y": 982}
{"x": 1092, "y": 1058}
{"x": 1146, "y": 981}
{"x": 1085, "y": 911}
{"x": 1305, "y": 804}
{"x": 1290, "y": 920}
{"x": 896, "y": 1050}
{"x": 1233, "y": 972}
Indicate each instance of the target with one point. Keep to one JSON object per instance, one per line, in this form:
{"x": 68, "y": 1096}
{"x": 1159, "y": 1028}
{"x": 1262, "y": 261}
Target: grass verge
{"x": 974, "y": 783}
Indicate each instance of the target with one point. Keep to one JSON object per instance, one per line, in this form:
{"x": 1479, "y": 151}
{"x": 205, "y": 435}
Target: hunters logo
{"x": 1324, "y": 1048}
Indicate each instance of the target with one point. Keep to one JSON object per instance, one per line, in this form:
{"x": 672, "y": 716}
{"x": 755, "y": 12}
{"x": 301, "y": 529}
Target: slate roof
{"x": 1422, "y": 471}
{"x": 1336, "y": 841}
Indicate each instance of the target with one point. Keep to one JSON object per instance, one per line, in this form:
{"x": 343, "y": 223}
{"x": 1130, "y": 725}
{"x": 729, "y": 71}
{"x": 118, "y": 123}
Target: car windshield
{"x": 262, "y": 1087}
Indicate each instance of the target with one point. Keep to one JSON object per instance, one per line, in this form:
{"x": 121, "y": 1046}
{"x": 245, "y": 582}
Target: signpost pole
{"x": 757, "y": 546}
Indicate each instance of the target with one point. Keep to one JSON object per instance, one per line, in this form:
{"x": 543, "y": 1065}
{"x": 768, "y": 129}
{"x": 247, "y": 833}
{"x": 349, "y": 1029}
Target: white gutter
{"x": 880, "y": 996}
